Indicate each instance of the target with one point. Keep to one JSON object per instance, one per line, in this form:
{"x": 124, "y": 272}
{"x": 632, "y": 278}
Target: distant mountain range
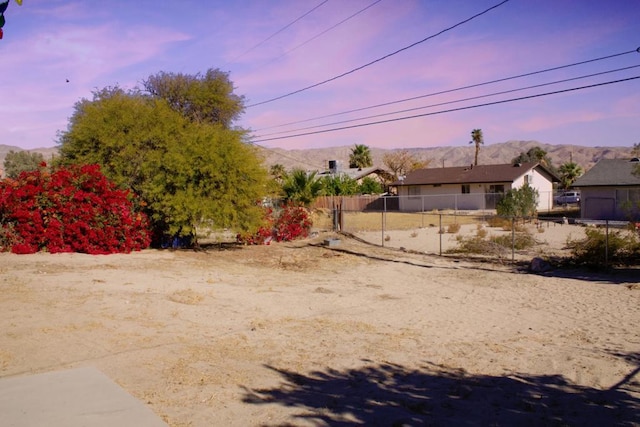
{"x": 318, "y": 158}
{"x": 501, "y": 153}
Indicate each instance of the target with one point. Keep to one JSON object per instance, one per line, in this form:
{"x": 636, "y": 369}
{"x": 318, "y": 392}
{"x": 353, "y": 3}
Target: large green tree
{"x": 186, "y": 171}
{"x": 477, "y": 139}
{"x": 20, "y": 161}
{"x": 360, "y": 157}
{"x": 202, "y": 98}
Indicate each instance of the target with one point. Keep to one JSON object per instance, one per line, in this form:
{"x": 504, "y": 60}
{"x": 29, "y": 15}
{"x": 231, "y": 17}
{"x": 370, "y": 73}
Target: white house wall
{"x": 540, "y": 182}
{"x": 449, "y": 196}
{"x": 445, "y": 196}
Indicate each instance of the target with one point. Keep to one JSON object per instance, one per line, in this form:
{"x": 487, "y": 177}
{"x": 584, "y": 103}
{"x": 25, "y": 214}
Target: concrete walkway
{"x": 74, "y": 398}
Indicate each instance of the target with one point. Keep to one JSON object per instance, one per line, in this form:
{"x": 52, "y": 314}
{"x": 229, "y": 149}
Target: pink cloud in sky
{"x": 86, "y": 56}
{"x": 99, "y": 44}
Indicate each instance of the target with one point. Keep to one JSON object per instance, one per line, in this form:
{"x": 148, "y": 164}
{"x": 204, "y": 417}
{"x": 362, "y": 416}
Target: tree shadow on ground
{"x": 613, "y": 276}
{"x": 393, "y": 395}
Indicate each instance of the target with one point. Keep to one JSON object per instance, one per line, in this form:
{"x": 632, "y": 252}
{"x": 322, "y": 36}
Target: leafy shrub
{"x": 293, "y": 222}
{"x": 370, "y": 186}
{"x": 73, "y": 209}
{"x": 519, "y": 203}
{"x": 499, "y": 222}
{"x": 478, "y": 245}
{"x": 496, "y": 246}
{"x": 623, "y": 248}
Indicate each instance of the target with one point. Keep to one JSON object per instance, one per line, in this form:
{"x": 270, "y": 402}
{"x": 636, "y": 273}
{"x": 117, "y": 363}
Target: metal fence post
{"x": 606, "y": 243}
{"x": 440, "y": 232}
{"x": 384, "y": 211}
{"x": 513, "y": 239}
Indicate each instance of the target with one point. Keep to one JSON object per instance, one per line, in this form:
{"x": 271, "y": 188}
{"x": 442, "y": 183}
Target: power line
{"x": 452, "y": 102}
{"x": 450, "y": 110}
{"x": 355, "y": 110}
{"x": 324, "y": 32}
{"x": 381, "y": 58}
{"x": 277, "y": 32}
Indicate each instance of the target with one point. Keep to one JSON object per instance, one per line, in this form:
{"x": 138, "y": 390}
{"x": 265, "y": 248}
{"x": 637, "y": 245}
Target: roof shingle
{"x": 469, "y": 174}
{"x": 608, "y": 172}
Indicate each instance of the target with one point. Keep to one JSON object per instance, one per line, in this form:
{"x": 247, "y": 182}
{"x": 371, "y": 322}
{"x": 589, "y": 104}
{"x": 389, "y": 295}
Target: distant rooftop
{"x": 609, "y": 172}
{"x": 470, "y": 174}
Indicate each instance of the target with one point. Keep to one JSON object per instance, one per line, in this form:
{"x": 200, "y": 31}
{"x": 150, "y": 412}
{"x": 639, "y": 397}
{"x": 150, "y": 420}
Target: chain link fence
{"x": 555, "y": 233}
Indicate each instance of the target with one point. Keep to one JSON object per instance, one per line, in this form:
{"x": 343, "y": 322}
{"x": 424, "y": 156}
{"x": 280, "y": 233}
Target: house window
{"x": 414, "y": 191}
{"x": 496, "y": 188}
{"x": 526, "y": 179}
{"x": 466, "y": 188}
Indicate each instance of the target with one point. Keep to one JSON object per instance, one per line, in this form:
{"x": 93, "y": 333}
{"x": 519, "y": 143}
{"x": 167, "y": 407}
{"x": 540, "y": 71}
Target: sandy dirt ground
{"x": 308, "y": 335}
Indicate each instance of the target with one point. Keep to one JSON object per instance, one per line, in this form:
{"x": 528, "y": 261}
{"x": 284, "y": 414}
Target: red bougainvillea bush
{"x": 72, "y": 209}
{"x": 291, "y": 223}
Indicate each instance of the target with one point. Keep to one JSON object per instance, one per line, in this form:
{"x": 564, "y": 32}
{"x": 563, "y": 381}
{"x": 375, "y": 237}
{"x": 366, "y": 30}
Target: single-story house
{"x": 472, "y": 187}
{"x": 610, "y": 190}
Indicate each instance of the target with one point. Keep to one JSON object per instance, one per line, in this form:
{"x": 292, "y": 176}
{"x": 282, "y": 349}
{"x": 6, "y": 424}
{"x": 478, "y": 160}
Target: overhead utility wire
{"x": 451, "y": 102}
{"x": 277, "y": 32}
{"x": 381, "y": 58}
{"x": 469, "y": 107}
{"x": 355, "y": 110}
{"x": 323, "y": 32}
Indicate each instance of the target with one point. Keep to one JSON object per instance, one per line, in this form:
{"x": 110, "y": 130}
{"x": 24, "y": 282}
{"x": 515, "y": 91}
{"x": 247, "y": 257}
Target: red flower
{"x": 70, "y": 209}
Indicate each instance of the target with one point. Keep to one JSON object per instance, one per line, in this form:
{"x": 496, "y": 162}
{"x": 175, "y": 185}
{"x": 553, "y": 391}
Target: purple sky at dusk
{"x": 95, "y": 44}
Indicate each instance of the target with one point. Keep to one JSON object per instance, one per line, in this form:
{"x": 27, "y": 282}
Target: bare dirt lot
{"x": 303, "y": 334}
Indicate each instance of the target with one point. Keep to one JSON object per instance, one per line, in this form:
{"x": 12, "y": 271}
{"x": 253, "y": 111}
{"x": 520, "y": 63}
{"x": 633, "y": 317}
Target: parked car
{"x": 567, "y": 198}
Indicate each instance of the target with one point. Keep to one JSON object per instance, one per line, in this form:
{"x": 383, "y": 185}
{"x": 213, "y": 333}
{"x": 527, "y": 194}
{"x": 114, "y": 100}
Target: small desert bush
{"x": 414, "y": 234}
{"x": 453, "y": 228}
{"x": 499, "y": 222}
{"x": 481, "y": 232}
{"x": 520, "y": 241}
{"x": 387, "y": 238}
{"x": 621, "y": 248}
{"x": 478, "y": 245}
{"x": 496, "y": 246}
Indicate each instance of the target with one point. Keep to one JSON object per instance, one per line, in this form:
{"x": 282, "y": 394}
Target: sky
{"x": 57, "y": 52}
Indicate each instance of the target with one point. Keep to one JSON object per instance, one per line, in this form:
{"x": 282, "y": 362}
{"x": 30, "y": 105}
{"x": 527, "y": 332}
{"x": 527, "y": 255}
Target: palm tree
{"x": 278, "y": 172}
{"x": 301, "y": 187}
{"x": 569, "y": 172}
{"x": 477, "y": 139}
{"x": 360, "y": 157}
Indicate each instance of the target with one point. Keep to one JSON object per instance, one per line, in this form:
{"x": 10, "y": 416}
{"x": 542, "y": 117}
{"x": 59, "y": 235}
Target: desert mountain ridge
{"x": 498, "y": 153}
